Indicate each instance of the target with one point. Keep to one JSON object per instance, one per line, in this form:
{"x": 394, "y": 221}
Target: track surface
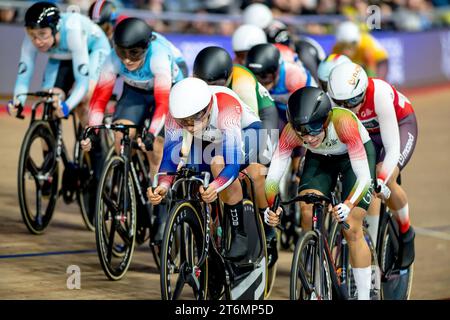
{"x": 35, "y": 267}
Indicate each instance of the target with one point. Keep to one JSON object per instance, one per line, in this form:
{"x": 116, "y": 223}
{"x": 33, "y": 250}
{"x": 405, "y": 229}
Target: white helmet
{"x": 347, "y": 84}
{"x": 348, "y": 32}
{"x": 258, "y": 15}
{"x": 246, "y": 37}
{"x": 325, "y": 67}
{"x": 188, "y": 97}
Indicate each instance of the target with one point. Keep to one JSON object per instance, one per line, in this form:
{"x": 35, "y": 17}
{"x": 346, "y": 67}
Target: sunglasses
{"x": 199, "y": 116}
{"x": 310, "y": 129}
{"x": 350, "y": 103}
{"x": 134, "y": 54}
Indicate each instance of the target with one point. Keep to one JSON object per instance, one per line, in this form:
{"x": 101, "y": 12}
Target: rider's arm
{"x": 77, "y": 44}
{"x": 288, "y": 141}
{"x": 161, "y": 67}
{"x": 245, "y": 85}
{"x": 103, "y": 89}
{"x": 229, "y": 122}
{"x": 347, "y": 129}
{"x": 26, "y": 68}
{"x": 390, "y": 135}
{"x": 171, "y": 153}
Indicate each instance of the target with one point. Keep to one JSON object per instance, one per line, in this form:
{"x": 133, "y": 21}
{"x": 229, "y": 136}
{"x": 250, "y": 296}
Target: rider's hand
{"x": 272, "y": 218}
{"x": 86, "y": 144}
{"x": 12, "y": 107}
{"x": 157, "y": 195}
{"x": 147, "y": 143}
{"x": 385, "y": 192}
{"x": 209, "y": 195}
{"x": 341, "y": 212}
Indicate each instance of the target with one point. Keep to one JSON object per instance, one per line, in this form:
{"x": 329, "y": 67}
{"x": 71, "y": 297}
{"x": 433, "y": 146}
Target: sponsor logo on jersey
{"x": 22, "y": 67}
{"x": 83, "y": 69}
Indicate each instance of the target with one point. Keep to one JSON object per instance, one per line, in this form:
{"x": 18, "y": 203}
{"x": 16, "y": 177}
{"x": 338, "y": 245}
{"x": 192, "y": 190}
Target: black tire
{"x": 46, "y": 189}
{"x": 398, "y": 284}
{"x": 305, "y": 258}
{"x": 335, "y": 243}
{"x": 181, "y": 249}
{"x": 115, "y": 256}
{"x": 87, "y": 191}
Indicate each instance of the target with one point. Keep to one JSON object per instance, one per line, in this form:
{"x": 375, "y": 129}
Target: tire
{"x": 181, "y": 249}
{"x": 47, "y": 193}
{"x": 305, "y": 259}
{"x": 86, "y": 193}
{"x": 398, "y": 285}
{"x": 115, "y": 258}
{"x": 335, "y": 242}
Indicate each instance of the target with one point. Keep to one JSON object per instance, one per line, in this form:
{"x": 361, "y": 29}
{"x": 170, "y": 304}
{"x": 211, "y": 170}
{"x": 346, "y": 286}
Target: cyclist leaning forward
{"x": 336, "y": 142}
{"x": 209, "y": 125}
{"x": 390, "y": 119}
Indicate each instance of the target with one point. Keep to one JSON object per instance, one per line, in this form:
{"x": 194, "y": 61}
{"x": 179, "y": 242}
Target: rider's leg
{"x": 359, "y": 252}
{"x": 232, "y": 197}
{"x": 373, "y": 219}
{"x": 154, "y": 157}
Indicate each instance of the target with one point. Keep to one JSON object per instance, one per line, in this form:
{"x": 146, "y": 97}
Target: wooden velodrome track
{"x": 34, "y": 267}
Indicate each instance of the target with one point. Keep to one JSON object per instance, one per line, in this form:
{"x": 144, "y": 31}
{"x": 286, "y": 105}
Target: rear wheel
{"x": 181, "y": 250}
{"x": 115, "y": 226}
{"x": 38, "y": 177}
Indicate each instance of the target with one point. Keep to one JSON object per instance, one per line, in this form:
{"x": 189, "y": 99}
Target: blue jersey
{"x": 81, "y": 41}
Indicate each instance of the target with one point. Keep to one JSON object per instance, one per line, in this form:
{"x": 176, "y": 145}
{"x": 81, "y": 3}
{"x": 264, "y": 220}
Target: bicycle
{"x": 195, "y": 241}
{"x": 314, "y": 269}
{"x": 39, "y": 162}
{"x": 396, "y": 283}
{"x": 120, "y": 196}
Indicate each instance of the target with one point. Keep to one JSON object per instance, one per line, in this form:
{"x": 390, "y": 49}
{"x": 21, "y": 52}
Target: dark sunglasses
{"x": 311, "y": 129}
{"x": 190, "y": 121}
{"x": 350, "y": 103}
{"x": 134, "y": 54}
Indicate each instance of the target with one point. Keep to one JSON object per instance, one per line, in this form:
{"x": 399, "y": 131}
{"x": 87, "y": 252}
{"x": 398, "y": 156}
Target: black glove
{"x": 148, "y": 141}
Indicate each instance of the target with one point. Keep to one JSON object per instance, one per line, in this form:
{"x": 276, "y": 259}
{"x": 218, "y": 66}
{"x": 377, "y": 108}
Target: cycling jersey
{"x": 382, "y": 110}
{"x": 229, "y": 115}
{"x": 344, "y": 133}
{"x": 291, "y": 77}
{"x": 81, "y": 41}
{"x": 158, "y": 72}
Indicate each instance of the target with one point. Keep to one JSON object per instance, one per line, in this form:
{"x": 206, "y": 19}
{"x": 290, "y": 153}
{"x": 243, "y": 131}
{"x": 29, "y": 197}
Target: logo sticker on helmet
{"x": 83, "y": 69}
{"x": 355, "y": 75}
{"x": 22, "y": 67}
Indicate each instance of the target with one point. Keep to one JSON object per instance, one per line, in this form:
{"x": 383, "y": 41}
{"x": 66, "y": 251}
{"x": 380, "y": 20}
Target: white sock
{"x": 372, "y": 221}
{"x": 363, "y": 279}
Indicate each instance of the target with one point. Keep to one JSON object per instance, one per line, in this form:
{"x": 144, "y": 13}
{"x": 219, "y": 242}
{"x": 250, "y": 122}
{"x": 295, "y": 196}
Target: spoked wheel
{"x": 396, "y": 283}
{"x": 339, "y": 248}
{"x": 181, "y": 277}
{"x": 115, "y": 226}
{"x": 310, "y": 277}
{"x": 38, "y": 177}
{"x": 87, "y": 191}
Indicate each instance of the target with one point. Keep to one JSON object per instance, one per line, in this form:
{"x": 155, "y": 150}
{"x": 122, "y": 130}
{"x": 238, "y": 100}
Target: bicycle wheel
{"x": 339, "y": 247}
{"x": 115, "y": 226}
{"x": 396, "y": 283}
{"x": 310, "y": 277}
{"x": 86, "y": 193}
{"x": 38, "y": 177}
{"x": 181, "y": 250}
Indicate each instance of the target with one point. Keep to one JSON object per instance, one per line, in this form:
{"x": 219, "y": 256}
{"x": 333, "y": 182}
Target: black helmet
{"x": 102, "y": 11}
{"x": 212, "y": 64}
{"x": 133, "y": 33}
{"x": 42, "y": 15}
{"x": 263, "y": 59}
{"x": 308, "y": 109}
{"x": 277, "y": 32}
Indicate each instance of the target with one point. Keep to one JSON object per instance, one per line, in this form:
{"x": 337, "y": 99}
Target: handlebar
{"x": 115, "y": 127}
{"x": 184, "y": 174}
{"x": 39, "y": 94}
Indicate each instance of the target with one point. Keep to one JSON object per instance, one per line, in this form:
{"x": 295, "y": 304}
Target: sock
{"x": 363, "y": 279}
{"x": 236, "y": 215}
{"x": 403, "y": 218}
{"x": 372, "y": 221}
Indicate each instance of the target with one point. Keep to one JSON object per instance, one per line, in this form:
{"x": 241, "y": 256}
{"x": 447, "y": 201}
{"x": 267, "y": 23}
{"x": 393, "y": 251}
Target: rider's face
{"x": 132, "y": 65}
{"x": 42, "y": 39}
{"x": 314, "y": 141}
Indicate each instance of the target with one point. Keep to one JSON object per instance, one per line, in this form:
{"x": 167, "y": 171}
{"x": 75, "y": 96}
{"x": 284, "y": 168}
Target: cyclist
{"x": 104, "y": 13}
{"x": 214, "y": 65}
{"x": 325, "y": 67}
{"x": 390, "y": 119}
{"x": 337, "y": 142}
{"x": 76, "y": 47}
{"x": 243, "y": 39}
{"x": 361, "y": 48}
{"x": 211, "y": 119}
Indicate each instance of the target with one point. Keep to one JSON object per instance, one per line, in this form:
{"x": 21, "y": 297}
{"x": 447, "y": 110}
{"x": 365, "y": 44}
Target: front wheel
{"x": 38, "y": 177}
{"x": 182, "y": 247}
{"x": 115, "y": 224}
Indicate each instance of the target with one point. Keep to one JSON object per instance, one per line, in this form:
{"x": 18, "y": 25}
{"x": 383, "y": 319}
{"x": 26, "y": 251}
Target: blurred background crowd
{"x": 223, "y": 16}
